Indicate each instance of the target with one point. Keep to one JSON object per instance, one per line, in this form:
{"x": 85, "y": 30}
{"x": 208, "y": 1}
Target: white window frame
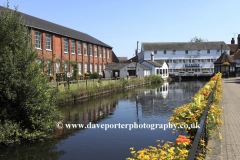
{"x": 100, "y": 52}
{"x": 108, "y": 54}
{"x": 95, "y": 50}
{"x": 37, "y": 40}
{"x": 85, "y": 67}
{"x": 90, "y": 49}
{"x": 85, "y": 49}
{"x": 65, "y": 45}
{"x": 57, "y": 66}
{"x": 49, "y": 67}
{"x": 80, "y": 68}
{"x": 96, "y": 67}
{"x": 73, "y": 47}
{"x": 91, "y": 67}
{"x": 66, "y": 67}
{"x": 79, "y": 48}
{"x": 100, "y": 68}
{"x": 48, "y": 42}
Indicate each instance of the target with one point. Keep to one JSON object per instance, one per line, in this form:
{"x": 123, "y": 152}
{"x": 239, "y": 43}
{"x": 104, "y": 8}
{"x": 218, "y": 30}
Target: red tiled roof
{"x": 225, "y": 58}
{"x": 233, "y": 48}
{"x": 236, "y": 55}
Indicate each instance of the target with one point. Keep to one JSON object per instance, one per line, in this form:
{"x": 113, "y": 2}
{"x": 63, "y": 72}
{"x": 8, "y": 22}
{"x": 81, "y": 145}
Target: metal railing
{"x": 202, "y": 131}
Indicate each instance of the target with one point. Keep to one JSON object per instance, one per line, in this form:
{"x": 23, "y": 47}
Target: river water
{"x": 144, "y": 107}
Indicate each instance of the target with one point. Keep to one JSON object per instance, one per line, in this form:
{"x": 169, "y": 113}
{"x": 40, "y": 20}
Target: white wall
{"x": 107, "y": 73}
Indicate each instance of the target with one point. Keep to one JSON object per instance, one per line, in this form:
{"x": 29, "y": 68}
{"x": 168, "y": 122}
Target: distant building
{"x": 197, "y": 57}
{"x": 235, "y": 52}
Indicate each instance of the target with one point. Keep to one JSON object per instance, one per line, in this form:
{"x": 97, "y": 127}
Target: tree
{"x": 27, "y": 106}
{"x": 196, "y": 39}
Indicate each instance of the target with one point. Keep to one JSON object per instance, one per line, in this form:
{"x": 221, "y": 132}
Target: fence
{"x": 202, "y": 131}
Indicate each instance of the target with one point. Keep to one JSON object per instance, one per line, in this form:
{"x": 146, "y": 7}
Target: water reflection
{"x": 151, "y": 105}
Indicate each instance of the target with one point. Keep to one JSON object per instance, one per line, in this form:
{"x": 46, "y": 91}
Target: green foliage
{"x": 196, "y": 39}
{"x": 154, "y": 79}
{"x": 27, "y": 107}
{"x": 95, "y": 75}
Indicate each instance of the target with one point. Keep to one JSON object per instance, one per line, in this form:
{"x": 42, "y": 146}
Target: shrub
{"x": 190, "y": 71}
{"x": 95, "y": 75}
{"x": 181, "y": 71}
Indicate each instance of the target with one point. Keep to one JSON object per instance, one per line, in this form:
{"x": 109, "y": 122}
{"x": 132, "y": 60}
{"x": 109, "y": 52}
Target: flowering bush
{"x": 181, "y": 71}
{"x": 190, "y": 71}
{"x": 189, "y": 114}
{"x": 226, "y": 63}
{"x": 205, "y": 71}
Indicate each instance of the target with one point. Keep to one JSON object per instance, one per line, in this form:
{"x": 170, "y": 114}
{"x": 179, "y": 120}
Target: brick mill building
{"x": 62, "y": 44}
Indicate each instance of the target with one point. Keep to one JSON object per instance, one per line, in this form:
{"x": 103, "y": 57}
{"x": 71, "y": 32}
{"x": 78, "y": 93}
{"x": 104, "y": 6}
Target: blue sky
{"x": 121, "y": 23}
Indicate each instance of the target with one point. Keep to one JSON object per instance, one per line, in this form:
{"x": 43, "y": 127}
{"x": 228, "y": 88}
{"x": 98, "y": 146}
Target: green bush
{"x": 27, "y": 109}
{"x": 95, "y": 75}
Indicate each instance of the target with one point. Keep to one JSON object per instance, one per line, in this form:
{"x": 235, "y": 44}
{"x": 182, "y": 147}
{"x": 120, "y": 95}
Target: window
{"x": 65, "y": 45}
{"x": 208, "y": 51}
{"x": 199, "y": 52}
{"x": 73, "y": 47}
{"x": 95, "y": 48}
{"x": 90, "y": 49}
{"x": 208, "y": 60}
{"x": 100, "y": 69}
{"x": 95, "y": 67}
{"x": 174, "y": 61}
{"x": 180, "y": 61}
{"x": 48, "y": 67}
{"x": 104, "y": 56}
{"x": 108, "y": 53}
{"x": 85, "y": 67}
{"x": 155, "y": 52}
{"x": 164, "y": 51}
{"x": 85, "y": 49}
{"x": 48, "y": 41}
{"x": 80, "y": 68}
{"x": 186, "y": 51}
{"x": 38, "y": 40}
{"x": 202, "y": 60}
{"x": 38, "y": 61}
{"x": 187, "y": 60}
{"x": 218, "y": 51}
{"x": 157, "y": 71}
{"x": 211, "y": 60}
{"x": 174, "y": 51}
{"x": 72, "y": 69}
{"x": 160, "y": 71}
{"x": 66, "y": 67}
{"x": 183, "y": 61}
{"x": 58, "y": 66}
{"x": 79, "y": 48}
{"x": 100, "y": 52}
{"x": 91, "y": 69}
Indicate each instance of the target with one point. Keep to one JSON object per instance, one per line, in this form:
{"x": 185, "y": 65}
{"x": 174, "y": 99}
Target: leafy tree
{"x": 27, "y": 106}
{"x": 196, "y": 39}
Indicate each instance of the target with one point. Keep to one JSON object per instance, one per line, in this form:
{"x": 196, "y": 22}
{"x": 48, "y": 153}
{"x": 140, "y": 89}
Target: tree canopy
{"x": 27, "y": 106}
{"x": 196, "y": 39}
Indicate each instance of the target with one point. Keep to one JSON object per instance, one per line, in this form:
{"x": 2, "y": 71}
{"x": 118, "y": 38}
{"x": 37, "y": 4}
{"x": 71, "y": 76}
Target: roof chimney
{"x": 239, "y": 41}
{"x": 152, "y": 57}
{"x": 232, "y": 41}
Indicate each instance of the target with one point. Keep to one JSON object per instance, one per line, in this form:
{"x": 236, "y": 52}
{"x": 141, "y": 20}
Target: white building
{"x": 197, "y": 57}
{"x": 123, "y": 68}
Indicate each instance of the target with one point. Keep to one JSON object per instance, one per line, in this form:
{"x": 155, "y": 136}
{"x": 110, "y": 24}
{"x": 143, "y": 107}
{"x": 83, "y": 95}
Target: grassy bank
{"x": 80, "y": 89}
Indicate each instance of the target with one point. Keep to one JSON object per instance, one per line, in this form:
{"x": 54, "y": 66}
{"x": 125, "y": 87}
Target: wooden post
{"x": 57, "y": 86}
{"x": 86, "y": 83}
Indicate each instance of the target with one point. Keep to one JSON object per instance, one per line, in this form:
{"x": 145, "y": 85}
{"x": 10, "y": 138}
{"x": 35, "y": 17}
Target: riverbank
{"x": 81, "y": 92}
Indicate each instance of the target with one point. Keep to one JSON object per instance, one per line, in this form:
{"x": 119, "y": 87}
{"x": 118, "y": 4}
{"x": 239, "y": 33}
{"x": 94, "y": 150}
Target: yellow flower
{"x": 131, "y": 148}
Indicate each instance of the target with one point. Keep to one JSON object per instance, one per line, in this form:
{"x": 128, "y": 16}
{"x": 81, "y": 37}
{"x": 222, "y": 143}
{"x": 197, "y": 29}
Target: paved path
{"x": 229, "y": 147}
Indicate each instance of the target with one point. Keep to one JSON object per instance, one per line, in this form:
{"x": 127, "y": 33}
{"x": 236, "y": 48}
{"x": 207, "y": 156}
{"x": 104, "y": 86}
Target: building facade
{"x": 58, "y": 45}
{"x": 185, "y": 58}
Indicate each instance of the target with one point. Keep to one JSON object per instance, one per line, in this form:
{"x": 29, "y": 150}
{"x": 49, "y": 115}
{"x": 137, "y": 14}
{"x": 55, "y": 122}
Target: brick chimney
{"x": 239, "y": 41}
{"x": 232, "y": 41}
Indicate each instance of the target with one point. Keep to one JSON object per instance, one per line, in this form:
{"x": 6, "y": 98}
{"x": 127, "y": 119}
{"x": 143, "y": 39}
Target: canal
{"x": 142, "y": 107}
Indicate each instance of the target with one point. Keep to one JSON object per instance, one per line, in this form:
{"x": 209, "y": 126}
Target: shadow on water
{"x": 150, "y": 104}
